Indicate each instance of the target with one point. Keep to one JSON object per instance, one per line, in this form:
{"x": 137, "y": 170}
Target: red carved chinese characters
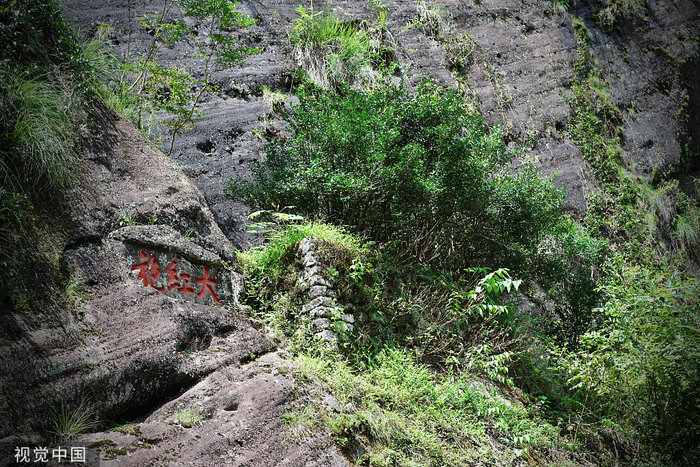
{"x": 149, "y": 273}
{"x": 206, "y": 284}
{"x": 185, "y": 287}
{"x": 173, "y": 280}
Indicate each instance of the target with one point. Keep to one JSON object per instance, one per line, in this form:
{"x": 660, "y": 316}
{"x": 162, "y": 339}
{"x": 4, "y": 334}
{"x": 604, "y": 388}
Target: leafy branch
{"x": 169, "y": 88}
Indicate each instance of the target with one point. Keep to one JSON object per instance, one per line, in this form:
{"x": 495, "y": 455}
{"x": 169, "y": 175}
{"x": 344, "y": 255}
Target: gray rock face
{"x": 519, "y": 76}
{"x": 232, "y": 417}
{"x": 154, "y": 314}
{"x": 145, "y": 294}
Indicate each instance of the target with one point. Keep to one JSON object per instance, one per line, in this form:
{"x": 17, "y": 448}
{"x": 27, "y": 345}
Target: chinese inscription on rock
{"x": 149, "y": 273}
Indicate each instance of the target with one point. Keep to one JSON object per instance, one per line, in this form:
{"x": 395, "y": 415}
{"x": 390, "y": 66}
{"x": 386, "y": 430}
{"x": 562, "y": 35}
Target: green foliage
{"x": 643, "y": 366}
{"x": 687, "y": 226}
{"x": 323, "y": 28}
{"x": 629, "y": 370}
{"x": 274, "y": 99}
{"x": 416, "y": 171}
{"x": 557, "y": 7}
{"x": 458, "y": 323}
{"x": 405, "y": 415}
{"x": 187, "y": 417}
{"x": 334, "y": 51}
{"x": 170, "y": 88}
{"x": 223, "y": 20}
{"x": 270, "y": 259}
{"x": 44, "y": 76}
{"x": 12, "y": 208}
{"x": 33, "y": 32}
{"x": 268, "y": 221}
{"x": 300, "y": 422}
{"x": 39, "y": 146}
{"x": 566, "y": 265}
{"x": 593, "y": 127}
{"x": 459, "y": 52}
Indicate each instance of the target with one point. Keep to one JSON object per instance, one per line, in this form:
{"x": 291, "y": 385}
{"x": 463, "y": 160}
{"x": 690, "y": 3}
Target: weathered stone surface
{"x": 321, "y": 324}
{"x": 141, "y": 325}
{"x": 348, "y": 318}
{"x": 125, "y": 182}
{"x": 321, "y": 312}
{"x": 307, "y": 252}
{"x": 327, "y": 336}
{"x": 317, "y": 302}
{"x": 154, "y": 322}
{"x": 164, "y": 237}
{"x": 312, "y": 276}
{"x": 321, "y": 306}
{"x": 321, "y": 291}
{"x": 237, "y": 421}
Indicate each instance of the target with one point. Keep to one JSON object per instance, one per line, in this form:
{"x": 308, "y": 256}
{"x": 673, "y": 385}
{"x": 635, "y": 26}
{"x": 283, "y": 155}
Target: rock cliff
{"x": 154, "y": 331}
{"x": 155, "y": 320}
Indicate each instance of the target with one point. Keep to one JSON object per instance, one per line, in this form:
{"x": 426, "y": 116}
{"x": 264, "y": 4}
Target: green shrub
{"x": 334, "y": 51}
{"x": 33, "y": 32}
{"x": 433, "y": 185}
{"x": 324, "y": 28}
{"x": 413, "y": 171}
{"x": 642, "y": 367}
{"x": 45, "y": 76}
{"x": 687, "y": 225}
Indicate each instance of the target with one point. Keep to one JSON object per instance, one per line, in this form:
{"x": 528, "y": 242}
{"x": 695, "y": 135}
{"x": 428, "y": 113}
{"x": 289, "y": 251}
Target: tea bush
{"x": 413, "y": 171}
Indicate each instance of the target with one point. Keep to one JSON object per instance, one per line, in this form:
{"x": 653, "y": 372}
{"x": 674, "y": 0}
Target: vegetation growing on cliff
{"x": 431, "y": 185}
{"x": 605, "y": 341}
{"x": 335, "y": 52}
{"x": 47, "y": 75}
{"x": 394, "y": 409}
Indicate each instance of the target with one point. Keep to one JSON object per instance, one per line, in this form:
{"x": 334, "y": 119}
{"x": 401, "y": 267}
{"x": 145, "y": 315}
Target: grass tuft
{"x": 188, "y": 418}
{"x": 35, "y": 113}
{"x": 269, "y": 259}
{"x": 688, "y": 229}
{"x": 334, "y": 51}
{"x": 67, "y": 424}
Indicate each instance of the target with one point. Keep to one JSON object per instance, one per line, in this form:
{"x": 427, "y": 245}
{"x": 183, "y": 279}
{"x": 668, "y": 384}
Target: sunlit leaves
{"x": 416, "y": 170}
{"x": 644, "y": 362}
